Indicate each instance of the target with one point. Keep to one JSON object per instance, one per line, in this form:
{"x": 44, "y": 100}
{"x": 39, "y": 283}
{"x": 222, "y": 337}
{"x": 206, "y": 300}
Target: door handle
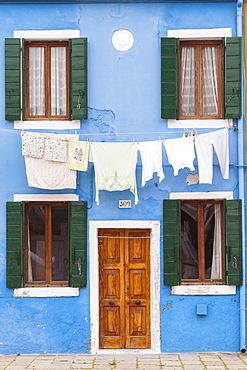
{"x": 111, "y": 303}
{"x": 138, "y": 302}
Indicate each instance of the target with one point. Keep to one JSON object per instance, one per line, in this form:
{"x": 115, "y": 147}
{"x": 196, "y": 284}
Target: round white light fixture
{"x": 122, "y": 40}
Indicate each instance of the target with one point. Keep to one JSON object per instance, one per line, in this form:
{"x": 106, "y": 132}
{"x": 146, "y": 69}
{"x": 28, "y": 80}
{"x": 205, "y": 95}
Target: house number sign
{"x": 124, "y": 204}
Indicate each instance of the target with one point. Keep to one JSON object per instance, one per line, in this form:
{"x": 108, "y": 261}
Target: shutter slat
{"x": 233, "y": 242}
{"x": 169, "y": 78}
{"x": 171, "y": 232}
{"x": 78, "y": 79}
{"x": 78, "y": 244}
{"x": 15, "y": 244}
{"x": 233, "y": 71}
{"x": 12, "y": 79}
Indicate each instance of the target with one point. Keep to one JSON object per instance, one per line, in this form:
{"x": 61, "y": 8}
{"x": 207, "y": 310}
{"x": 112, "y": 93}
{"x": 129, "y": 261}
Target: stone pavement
{"x": 190, "y": 361}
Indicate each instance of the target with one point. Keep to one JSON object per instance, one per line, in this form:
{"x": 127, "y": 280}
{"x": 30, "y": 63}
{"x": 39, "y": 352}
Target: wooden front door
{"x": 124, "y": 288}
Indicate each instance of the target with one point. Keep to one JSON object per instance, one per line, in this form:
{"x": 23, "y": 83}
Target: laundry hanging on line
{"x": 115, "y": 167}
{"x": 50, "y": 175}
{"x": 180, "y": 153}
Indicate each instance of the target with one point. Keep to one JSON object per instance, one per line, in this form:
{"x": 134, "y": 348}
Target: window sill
{"x": 199, "y": 123}
{"x": 203, "y": 290}
{"x": 47, "y": 125}
{"x": 41, "y": 292}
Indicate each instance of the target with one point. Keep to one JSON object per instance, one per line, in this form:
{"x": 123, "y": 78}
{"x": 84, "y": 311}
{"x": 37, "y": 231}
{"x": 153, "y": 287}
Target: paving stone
{"x": 193, "y": 366}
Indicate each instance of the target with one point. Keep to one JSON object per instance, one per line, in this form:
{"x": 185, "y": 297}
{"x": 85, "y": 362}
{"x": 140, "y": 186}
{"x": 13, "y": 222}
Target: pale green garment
{"x": 115, "y": 167}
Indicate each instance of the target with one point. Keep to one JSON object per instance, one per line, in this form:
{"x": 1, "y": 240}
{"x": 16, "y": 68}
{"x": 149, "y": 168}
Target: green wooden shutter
{"x": 23, "y": 94}
{"x": 233, "y": 63}
{"x": 78, "y": 244}
{"x": 169, "y": 78}
{"x": 233, "y": 241}
{"x": 12, "y": 79}
{"x": 223, "y": 76}
{"x": 78, "y": 78}
{"x": 171, "y": 241}
{"x": 15, "y": 244}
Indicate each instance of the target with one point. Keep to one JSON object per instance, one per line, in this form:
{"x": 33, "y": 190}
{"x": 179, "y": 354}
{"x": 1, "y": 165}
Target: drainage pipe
{"x": 241, "y": 179}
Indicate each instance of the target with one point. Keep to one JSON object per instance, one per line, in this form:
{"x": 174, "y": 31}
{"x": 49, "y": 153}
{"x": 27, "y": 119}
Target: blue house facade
{"x": 142, "y": 248}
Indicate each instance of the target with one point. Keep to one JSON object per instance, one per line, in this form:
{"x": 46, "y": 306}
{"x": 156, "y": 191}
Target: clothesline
{"x": 89, "y": 135}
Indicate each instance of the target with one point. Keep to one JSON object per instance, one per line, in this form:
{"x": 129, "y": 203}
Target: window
{"x": 46, "y": 244}
{"x": 202, "y": 242}
{"x": 200, "y": 79}
{"x": 45, "y": 80}
{"x": 200, "y": 87}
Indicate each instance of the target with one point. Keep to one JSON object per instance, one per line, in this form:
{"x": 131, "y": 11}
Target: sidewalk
{"x": 190, "y": 361}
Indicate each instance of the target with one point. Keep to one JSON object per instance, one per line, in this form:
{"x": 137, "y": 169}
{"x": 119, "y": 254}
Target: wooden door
{"x": 124, "y": 288}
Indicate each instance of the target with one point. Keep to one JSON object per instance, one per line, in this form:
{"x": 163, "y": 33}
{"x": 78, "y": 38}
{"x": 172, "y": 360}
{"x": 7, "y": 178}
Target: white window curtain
{"x": 58, "y": 81}
{"x": 188, "y": 81}
{"x": 36, "y": 81}
{"x": 210, "y": 85}
{"x": 216, "y": 270}
{"x": 210, "y": 88}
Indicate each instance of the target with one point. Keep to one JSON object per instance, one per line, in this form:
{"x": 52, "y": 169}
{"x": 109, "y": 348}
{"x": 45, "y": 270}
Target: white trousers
{"x": 204, "y": 149}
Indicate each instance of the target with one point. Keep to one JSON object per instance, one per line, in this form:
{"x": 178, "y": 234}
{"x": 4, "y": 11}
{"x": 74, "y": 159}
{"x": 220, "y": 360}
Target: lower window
{"x": 46, "y": 244}
{"x": 202, "y": 242}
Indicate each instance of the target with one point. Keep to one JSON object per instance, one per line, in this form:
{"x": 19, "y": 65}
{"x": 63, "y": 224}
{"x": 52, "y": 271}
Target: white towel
{"x": 50, "y": 175}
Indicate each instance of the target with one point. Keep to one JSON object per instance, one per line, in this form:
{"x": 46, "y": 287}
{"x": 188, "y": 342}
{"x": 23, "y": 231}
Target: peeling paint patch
{"x": 103, "y": 120}
{"x": 168, "y": 305}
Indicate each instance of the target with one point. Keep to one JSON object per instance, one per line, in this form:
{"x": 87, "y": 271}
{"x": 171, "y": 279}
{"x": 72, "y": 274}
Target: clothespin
{"x": 194, "y": 133}
{"x": 186, "y": 132}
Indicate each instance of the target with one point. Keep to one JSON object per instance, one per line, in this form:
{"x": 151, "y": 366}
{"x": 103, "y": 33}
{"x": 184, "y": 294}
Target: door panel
{"x": 124, "y": 288}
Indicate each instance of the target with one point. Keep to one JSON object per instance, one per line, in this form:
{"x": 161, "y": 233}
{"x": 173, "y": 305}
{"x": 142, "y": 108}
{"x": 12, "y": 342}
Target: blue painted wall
{"x": 124, "y": 104}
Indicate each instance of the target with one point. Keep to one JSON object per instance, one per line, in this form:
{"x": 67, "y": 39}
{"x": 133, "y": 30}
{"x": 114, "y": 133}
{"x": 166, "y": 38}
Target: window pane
{"x": 189, "y": 241}
{"x": 210, "y": 81}
{"x": 212, "y": 240}
{"x": 189, "y": 81}
{"x": 58, "y": 81}
{"x": 36, "y": 243}
{"x": 36, "y": 81}
{"x": 59, "y": 243}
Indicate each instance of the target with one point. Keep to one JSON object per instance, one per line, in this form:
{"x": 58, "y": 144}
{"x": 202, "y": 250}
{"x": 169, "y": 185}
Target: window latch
{"x": 79, "y": 100}
{"x": 235, "y": 263}
{"x": 79, "y": 265}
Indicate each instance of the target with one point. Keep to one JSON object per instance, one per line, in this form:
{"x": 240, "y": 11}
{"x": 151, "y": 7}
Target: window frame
{"x": 233, "y": 239}
{"x": 198, "y": 45}
{"x": 47, "y": 45}
{"x": 202, "y": 34}
{"x": 15, "y": 243}
{"x": 200, "y": 244}
{"x": 60, "y": 34}
{"x": 48, "y": 244}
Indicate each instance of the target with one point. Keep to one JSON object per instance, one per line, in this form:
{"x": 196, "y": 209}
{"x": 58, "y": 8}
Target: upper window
{"x": 202, "y": 242}
{"x": 200, "y": 79}
{"x": 46, "y": 80}
{"x": 46, "y": 244}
